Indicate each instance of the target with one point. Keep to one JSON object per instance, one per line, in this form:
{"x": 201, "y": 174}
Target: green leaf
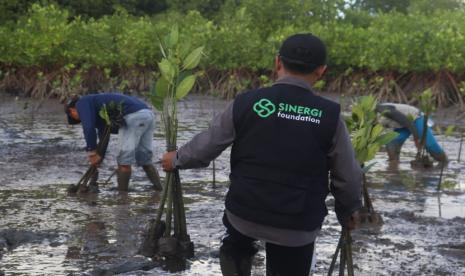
{"x": 173, "y": 37}
{"x": 361, "y": 156}
{"x": 158, "y": 93}
{"x": 157, "y": 102}
{"x": 449, "y": 130}
{"x": 167, "y": 70}
{"x": 184, "y": 49}
{"x": 376, "y": 131}
{"x": 193, "y": 59}
{"x": 161, "y": 88}
{"x": 386, "y": 138}
{"x": 103, "y": 113}
{"x": 371, "y": 152}
{"x": 185, "y": 86}
{"x": 162, "y": 50}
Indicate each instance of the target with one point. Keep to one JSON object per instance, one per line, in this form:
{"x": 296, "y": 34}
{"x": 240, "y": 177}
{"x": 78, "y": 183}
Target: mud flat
{"x": 45, "y": 231}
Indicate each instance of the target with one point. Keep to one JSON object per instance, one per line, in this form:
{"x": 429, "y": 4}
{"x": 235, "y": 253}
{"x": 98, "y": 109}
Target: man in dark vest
{"x": 286, "y": 143}
{"x": 136, "y": 124}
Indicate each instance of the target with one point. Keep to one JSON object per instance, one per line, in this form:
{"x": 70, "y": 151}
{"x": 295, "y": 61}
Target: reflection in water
{"x": 439, "y": 204}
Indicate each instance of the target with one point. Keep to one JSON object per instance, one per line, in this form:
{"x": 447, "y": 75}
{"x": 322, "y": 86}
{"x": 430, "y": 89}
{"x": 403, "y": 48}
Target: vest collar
{"x": 294, "y": 81}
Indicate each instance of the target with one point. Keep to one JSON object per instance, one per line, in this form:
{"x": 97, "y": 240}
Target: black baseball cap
{"x": 303, "y": 49}
{"x": 71, "y": 103}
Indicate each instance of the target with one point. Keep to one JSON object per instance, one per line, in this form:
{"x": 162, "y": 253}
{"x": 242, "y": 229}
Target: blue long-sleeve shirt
{"x": 88, "y": 108}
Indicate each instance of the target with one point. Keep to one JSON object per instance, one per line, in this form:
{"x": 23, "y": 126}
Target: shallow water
{"x": 56, "y": 234}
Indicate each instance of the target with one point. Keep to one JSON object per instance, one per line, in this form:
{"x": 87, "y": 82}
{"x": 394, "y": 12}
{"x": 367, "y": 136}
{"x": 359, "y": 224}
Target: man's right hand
{"x": 167, "y": 161}
{"x": 353, "y": 221}
{"x": 94, "y": 158}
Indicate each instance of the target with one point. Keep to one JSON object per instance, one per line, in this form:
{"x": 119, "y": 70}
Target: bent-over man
{"x": 135, "y": 133}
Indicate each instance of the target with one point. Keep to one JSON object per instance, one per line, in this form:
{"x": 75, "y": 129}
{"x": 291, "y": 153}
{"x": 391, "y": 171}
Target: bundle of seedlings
{"x": 422, "y": 159}
{"x": 368, "y": 136}
{"x": 344, "y": 247}
{"x": 167, "y": 240}
{"x": 112, "y": 115}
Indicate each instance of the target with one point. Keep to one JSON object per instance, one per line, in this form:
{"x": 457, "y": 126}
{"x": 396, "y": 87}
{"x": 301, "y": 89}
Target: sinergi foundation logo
{"x": 264, "y": 108}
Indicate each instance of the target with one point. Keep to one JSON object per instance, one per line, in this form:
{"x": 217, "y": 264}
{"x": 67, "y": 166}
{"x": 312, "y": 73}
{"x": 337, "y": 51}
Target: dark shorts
{"x": 280, "y": 260}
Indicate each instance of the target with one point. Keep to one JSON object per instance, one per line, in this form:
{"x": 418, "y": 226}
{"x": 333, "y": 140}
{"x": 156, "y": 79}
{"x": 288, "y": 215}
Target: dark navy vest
{"x": 279, "y": 168}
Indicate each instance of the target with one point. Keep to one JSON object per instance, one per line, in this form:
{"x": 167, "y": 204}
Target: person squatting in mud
{"x": 408, "y": 120}
{"x": 135, "y": 127}
{"x": 280, "y": 164}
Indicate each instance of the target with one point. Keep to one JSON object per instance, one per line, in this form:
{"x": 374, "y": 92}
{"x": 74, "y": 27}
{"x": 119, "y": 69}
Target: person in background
{"x": 137, "y": 124}
{"x": 285, "y": 141}
{"x": 408, "y": 120}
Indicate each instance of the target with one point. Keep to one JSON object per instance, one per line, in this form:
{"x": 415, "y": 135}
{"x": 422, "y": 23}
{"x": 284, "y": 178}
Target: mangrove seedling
{"x": 448, "y": 132}
{"x": 168, "y": 240}
{"x": 368, "y": 136}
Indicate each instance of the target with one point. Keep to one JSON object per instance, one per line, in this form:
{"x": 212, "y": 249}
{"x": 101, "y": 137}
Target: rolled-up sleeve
{"x": 345, "y": 174}
{"x": 209, "y": 144}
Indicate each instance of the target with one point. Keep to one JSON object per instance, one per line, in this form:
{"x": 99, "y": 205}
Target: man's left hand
{"x": 167, "y": 161}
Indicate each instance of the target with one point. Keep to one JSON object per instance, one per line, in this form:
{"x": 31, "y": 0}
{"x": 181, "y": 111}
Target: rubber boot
{"x": 153, "y": 176}
{"x": 235, "y": 265}
{"x": 93, "y": 184}
{"x": 123, "y": 180}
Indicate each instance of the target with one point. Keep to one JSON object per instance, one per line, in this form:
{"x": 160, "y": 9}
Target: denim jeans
{"x": 135, "y": 139}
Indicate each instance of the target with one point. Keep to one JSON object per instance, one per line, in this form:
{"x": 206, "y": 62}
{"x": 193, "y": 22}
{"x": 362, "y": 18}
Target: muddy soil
{"x": 44, "y": 231}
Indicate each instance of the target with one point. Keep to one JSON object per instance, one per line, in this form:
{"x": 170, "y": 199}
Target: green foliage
{"x": 103, "y": 113}
{"x": 244, "y": 35}
{"x": 428, "y": 6}
{"x": 319, "y": 85}
{"x": 447, "y": 132}
{"x": 374, "y": 6}
{"x": 208, "y": 8}
{"x": 192, "y": 60}
{"x": 176, "y": 79}
{"x": 426, "y": 102}
{"x": 112, "y": 114}
{"x": 185, "y": 86}
{"x": 404, "y": 6}
{"x": 12, "y": 10}
{"x": 368, "y": 136}
{"x": 38, "y": 39}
